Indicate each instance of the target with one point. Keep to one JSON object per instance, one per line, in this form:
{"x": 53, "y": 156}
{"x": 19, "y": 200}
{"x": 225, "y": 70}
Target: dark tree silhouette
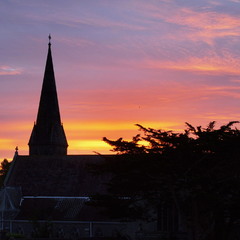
{"x": 198, "y": 171}
{"x": 5, "y": 164}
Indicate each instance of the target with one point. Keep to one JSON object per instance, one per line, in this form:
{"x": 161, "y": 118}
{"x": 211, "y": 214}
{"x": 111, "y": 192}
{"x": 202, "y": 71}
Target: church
{"x": 45, "y": 192}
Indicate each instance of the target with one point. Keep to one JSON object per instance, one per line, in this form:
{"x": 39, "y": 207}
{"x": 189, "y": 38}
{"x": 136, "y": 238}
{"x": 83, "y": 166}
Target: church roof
{"x": 59, "y": 209}
{"x": 48, "y": 136}
{"x": 56, "y": 175}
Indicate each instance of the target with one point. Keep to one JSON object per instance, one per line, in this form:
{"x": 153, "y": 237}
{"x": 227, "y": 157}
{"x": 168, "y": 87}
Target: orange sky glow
{"x": 155, "y": 63}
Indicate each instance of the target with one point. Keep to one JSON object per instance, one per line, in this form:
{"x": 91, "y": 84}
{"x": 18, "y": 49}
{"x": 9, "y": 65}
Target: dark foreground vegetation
{"x": 4, "y": 167}
{"x": 198, "y": 171}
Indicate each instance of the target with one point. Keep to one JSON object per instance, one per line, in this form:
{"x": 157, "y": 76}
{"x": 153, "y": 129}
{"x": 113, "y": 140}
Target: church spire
{"x": 48, "y": 136}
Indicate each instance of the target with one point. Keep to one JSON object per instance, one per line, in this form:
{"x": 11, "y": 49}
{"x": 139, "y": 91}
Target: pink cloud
{"x": 8, "y": 70}
{"x": 191, "y": 23}
{"x": 211, "y": 63}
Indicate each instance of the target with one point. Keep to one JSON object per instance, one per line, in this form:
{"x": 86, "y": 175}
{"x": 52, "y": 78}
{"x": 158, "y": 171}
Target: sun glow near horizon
{"x": 154, "y": 63}
{"x": 84, "y": 137}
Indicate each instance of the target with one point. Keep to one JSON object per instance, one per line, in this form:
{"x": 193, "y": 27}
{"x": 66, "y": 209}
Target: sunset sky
{"x": 159, "y": 63}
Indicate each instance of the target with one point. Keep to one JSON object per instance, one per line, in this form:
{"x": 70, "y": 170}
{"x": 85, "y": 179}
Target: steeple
{"x": 48, "y": 136}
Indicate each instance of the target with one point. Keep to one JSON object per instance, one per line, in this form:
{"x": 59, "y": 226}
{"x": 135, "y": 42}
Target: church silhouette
{"x": 45, "y": 192}
{"x": 48, "y": 188}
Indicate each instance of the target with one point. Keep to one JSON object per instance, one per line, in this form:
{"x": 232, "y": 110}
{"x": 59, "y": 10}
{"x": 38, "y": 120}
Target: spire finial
{"x": 49, "y": 38}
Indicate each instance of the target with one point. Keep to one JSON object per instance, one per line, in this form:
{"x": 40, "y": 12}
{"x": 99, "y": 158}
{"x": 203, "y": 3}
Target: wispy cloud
{"x": 204, "y": 19}
{"x": 190, "y": 22}
{"x": 117, "y": 63}
{"x": 207, "y": 26}
{"x": 8, "y": 70}
{"x": 209, "y": 64}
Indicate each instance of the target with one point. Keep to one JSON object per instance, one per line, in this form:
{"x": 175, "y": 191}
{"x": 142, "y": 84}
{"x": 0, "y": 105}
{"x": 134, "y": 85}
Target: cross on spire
{"x": 49, "y": 38}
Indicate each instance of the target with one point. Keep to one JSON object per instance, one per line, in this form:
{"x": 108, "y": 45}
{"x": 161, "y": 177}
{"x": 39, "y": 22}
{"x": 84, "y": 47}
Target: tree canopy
{"x": 4, "y": 167}
{"x": 198, "y": 170}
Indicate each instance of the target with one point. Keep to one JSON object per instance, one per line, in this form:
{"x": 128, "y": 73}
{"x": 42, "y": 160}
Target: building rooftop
{"x": 56, "y": 175}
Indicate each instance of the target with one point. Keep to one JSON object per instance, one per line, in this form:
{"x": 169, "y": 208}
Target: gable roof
{"x": 59, "y": 209}
{"x": 56, "y": 175}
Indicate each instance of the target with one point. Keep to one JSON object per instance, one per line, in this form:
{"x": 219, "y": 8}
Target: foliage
{"x": 5, "y": 165}
{"x": 42, "y": 230}
{"x": 198, "y": 170}
{"x": 15, "y": 235}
